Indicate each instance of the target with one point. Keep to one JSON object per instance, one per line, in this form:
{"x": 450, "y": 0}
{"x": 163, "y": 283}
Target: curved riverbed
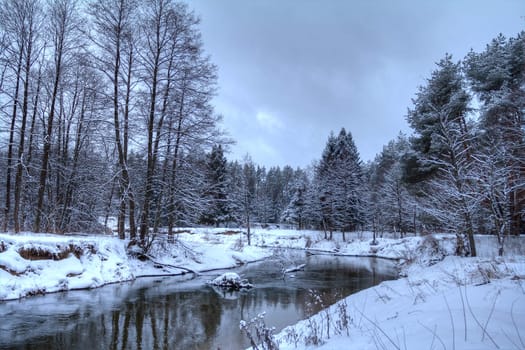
{"x": 184, "y": 313}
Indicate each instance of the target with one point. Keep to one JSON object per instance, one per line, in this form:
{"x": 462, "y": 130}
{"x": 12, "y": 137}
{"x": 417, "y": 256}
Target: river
{"x": 184, "y": 312}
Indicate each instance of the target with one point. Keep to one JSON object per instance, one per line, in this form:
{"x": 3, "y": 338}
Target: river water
{"x": 185, "y": 313}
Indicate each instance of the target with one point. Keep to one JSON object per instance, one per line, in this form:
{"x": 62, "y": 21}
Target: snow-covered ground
{"x": 443, "y": 302}
{"x": 459, "y": 303}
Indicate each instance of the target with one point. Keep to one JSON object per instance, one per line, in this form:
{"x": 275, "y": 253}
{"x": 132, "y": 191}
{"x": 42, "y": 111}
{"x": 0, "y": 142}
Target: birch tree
{"x": 114, "y": 23}
{"x": 20, "y": 23}
{"x": 64, "y": 31}
{"x": 180, "y": 82}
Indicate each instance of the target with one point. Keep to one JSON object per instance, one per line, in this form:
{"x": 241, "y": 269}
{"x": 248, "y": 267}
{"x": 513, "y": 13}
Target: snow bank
{"x": 32, "y": 264}
{"x": 458, "y": 303}
{"x": 356, "y": 244}
{"x": 39, "y": 263}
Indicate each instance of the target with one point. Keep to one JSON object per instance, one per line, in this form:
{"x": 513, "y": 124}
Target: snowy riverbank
{"x": 32, "y": 264}
{"x": 37, "y": 263}
{"x": 458, "y": 303}
{"x": 443, "y": 302}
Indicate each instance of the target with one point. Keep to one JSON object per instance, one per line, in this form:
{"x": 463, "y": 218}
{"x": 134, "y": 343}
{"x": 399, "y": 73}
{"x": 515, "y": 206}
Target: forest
{"x": 106, "y": 111}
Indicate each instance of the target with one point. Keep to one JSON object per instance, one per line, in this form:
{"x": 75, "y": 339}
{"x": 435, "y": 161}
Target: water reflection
{"x": 173, "y": 313}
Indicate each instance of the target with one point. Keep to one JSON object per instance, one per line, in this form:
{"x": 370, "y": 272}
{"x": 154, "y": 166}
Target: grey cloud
{"x": 322, "y": 65}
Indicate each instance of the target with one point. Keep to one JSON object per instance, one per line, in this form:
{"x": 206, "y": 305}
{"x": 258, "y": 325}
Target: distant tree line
{"x": 105, "y": 111}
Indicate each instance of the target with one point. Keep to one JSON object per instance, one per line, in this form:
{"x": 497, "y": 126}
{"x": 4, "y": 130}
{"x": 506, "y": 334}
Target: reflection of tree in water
{"x": 270, "y": 299}
{"x": 210, "y": 312}
{"x": 162, "y": 322}
{"x": 176, "y": 315}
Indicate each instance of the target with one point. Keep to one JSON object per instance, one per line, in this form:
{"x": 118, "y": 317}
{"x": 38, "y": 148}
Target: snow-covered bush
{"x": 231, "y": 281}
{"x": 238, "y": 245}
{"x": 261, "y": 336}
{"x": 429, "y": 251}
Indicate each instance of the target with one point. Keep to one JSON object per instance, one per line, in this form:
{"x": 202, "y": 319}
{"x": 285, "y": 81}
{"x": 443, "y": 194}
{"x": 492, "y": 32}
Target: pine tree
{"x": 339, "y": 180}
{"x": 442, "y": 141}
{"x": 295, "y": 212}
{"x": 391, "y": 203}
{"x": 216, "y": 212}
{"x": 234, "y": 199}
{"x": 326, "y": 186}
{"x": 497, "y": 76}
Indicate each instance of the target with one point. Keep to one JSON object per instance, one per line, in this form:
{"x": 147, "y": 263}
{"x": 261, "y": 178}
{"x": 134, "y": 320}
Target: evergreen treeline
{"x": 105, "y": 111}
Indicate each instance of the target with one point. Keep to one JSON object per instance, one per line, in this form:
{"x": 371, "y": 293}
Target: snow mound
{"x": 32, "y": 265}
{"x": 232, "y": 281}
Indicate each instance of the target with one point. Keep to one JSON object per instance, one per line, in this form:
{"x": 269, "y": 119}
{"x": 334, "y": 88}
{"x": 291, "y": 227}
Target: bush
{"x": 261, "y": 337}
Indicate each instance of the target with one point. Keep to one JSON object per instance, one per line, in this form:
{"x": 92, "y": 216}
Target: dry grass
{"x": 181, "y": 231}
{"x": 39, "y": 253}
{"x": 229, "y": 233}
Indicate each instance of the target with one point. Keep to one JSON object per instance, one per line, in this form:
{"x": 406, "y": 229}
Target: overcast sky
{"x": 291, "y": 71}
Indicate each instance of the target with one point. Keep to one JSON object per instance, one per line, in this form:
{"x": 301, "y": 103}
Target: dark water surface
{"x": 179, "y": 313}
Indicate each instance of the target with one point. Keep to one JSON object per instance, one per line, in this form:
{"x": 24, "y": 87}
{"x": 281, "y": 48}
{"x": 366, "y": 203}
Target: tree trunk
{"x": 158, "y": 135}
{"x": 125, "y": 171}
{"x": 48, "y": 136}
{"x": 144, "y": 222}
{"x": 248, "y": 228}
{"x": 176, "y": 150}
{"x": 21, "y": 145}
{"x": 125, "y": 192}
{"x": 470, "y": 234}
{"x": 65, "y": 216}
{"x": 7, "y": 206}
{"x": 35, "y": 111}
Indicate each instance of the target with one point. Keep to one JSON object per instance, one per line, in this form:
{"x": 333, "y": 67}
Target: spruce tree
{"x": 295, "y": 212}
{"x": 391, "y": 202}
{"x": 340, "y": 182}
{"x": 216, "y": 212}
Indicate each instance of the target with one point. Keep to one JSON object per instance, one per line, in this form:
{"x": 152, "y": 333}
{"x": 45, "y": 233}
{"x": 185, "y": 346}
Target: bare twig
{"x": 490, "y": 316}
{"x": 434, "y": 335}
{"x": 364, "y": 307}
{"x": 514, "y": 323}
{"x": 404, "y": 338}
{"x": 510, "y": 339}
{"x": 464, "y": 313}
{"x": 397, "y": 337}
{"x": 378, "y": 340}
{"x": 452, "y": 323}
{"x": 169, "y": 265}
{"x": 380, "y": 329}
{"x": 477, "y": 321}
{"x": 431, "y": 286}
{"x": 382, "y": 297}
